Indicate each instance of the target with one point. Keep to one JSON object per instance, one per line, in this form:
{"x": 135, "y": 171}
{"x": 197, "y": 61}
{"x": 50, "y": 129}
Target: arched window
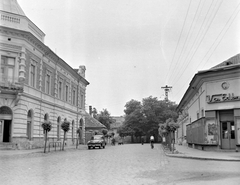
{"x": 81, "y": 130}
{"x": 29, "y": 124}
{"x": 81, "y": 123}
{"x": 46, "y": 117}
{"x": 5, "y": 124}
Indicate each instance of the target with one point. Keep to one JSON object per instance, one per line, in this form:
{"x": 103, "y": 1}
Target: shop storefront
{"x": 212, "y": 102}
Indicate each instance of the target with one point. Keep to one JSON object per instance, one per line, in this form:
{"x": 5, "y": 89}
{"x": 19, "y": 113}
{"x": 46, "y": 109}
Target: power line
{"x": 179, "y": 37}
{"x": 222, "y": 35}
{"x": 224, "y": 28}
{"x": 200, "y": 41}
{"x": 196, "y": 38}
{"x": 187, "y": 36}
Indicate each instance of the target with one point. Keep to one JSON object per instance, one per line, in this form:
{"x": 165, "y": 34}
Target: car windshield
{"x": 97, "y": 137}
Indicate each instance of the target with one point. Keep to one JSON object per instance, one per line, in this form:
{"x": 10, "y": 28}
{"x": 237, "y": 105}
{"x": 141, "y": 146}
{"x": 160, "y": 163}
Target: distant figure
{"x": 152, "y": 141}
{"x": 113, "y": 141}
{"x": 142, "y": 140}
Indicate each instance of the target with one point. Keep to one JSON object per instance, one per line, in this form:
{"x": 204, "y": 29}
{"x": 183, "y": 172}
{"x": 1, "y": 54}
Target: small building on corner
{"x": 212, "y": 108}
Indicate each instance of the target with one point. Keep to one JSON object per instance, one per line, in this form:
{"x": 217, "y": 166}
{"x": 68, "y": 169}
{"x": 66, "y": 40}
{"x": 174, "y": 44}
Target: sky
{"x": 133, "y": 48}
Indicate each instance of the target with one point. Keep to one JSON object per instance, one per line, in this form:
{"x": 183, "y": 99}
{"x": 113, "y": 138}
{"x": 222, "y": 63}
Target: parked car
{"x": 97, "y": 141}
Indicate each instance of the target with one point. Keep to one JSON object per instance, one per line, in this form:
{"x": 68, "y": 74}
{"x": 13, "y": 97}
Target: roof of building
{"x": 231, "y": 61}
{"x": 11, "y": 6}
{"x": 91, "y": 122}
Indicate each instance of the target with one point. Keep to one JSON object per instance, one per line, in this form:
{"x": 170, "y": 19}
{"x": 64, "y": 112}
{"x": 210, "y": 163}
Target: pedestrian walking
{"x": 142, "y": 140}
{"x": 113, "y": 141}
{"x": 152, "y": 141}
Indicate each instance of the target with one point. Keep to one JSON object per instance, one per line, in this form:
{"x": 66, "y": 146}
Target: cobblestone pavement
{"x": 131, "y": 164}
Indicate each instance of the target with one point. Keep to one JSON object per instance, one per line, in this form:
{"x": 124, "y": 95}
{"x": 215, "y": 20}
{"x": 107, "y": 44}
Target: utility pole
{"x": 166, "y": 89}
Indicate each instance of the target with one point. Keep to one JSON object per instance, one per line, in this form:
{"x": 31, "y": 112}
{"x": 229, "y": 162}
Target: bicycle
{"x": 152, "y": 145}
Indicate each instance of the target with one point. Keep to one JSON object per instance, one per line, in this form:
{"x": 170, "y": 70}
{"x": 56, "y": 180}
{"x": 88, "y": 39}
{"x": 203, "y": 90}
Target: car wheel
{"x": 89, "y": 148}
{"x": 94, "y": 147}
{"x": 103, "y": 146}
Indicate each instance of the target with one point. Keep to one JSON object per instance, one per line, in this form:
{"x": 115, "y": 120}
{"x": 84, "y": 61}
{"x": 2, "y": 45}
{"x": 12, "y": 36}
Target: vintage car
{"x": 96, "y": 141}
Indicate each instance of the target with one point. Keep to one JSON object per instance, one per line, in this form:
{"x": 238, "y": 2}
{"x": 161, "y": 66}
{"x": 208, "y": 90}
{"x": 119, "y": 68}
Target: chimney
{"x": 90, "y": 110}
{"x": 82, "y": 70}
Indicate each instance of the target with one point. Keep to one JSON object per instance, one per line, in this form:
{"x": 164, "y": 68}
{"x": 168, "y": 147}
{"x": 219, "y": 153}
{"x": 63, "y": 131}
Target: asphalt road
{"x": 130, "y": 164}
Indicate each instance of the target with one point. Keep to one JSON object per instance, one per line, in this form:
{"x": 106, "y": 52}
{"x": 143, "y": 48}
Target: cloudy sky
{"x": 132, "y": 48}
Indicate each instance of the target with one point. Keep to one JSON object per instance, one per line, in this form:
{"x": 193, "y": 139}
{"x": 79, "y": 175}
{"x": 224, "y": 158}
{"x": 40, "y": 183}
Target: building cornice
{"x": 47, "y": 52}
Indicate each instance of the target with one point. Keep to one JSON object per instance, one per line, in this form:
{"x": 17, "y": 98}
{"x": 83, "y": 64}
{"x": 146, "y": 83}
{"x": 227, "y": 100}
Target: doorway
{"x": 6, "y": 127}
{"x": 228, "y": 135}
{"x": 5, "y": 124}
{"x": 227, "y": 129}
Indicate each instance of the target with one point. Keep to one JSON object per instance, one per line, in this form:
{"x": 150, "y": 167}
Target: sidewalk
{"x": 187, "y": 152}
{"x": 39, "y": 150}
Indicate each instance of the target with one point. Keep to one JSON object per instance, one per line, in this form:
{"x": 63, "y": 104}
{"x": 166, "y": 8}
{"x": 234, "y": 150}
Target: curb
{"x": 34, "y": 151}
{"x": 199, "y": 158}
{"x": 202, "y": 158}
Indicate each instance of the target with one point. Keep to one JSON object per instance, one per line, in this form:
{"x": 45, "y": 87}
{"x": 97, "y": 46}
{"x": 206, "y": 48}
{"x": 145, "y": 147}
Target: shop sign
{"x": 217, "y": 98}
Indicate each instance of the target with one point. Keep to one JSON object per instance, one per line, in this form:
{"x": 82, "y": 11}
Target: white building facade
{"x": 212, "y": 102}
{"x": 35, "y": 84}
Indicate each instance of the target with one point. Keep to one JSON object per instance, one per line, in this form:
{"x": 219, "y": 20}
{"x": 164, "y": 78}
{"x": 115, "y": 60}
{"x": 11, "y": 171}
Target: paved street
{"x": 131, "y": 164}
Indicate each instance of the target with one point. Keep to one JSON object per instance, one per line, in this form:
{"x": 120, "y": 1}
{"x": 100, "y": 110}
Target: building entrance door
{"x": 5, "y": 130}
{"x": 228, "y": 135}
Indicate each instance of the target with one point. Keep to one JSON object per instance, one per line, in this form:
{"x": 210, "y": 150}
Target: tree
{"x": 134, "y": 119}
{"x": 105, "y": 118}
{"x": 65, "y": 127}
{"x": 125, "y": 131}
{"x": 167, "y": 130}
{"x": 104, "y": 132}
{"x": 144, "y": 118}
{"x": 47, "y": 126}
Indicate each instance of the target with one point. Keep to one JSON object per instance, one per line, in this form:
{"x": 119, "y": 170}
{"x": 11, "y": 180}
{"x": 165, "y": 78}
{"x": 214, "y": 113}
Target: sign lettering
{"x": 222, "y": 98}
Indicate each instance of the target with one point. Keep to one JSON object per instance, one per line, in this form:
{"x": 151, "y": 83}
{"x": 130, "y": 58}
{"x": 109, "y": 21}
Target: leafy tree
{"x": 131, "y": 106}
{"x": 105, "y": 118}
{"x": 144, "y": 118}
{"x": 134, "y": 119}
{"x": 125, "y": 131}
{"x": 65, "y": 127}
{"x": 104, "y": 132}
{"x": 167, "y": 130}
{"x": 47, "y": 126}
